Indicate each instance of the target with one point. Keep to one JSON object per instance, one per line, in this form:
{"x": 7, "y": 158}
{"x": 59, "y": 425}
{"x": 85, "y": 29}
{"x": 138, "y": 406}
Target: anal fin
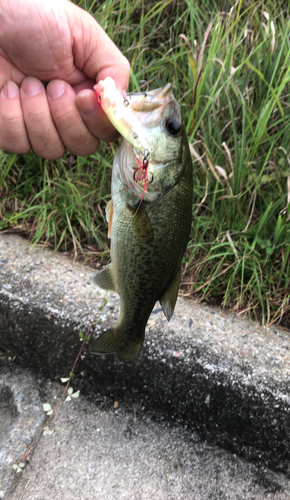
{"x": 168, "y": 300}
{"x": 104, "y": 279}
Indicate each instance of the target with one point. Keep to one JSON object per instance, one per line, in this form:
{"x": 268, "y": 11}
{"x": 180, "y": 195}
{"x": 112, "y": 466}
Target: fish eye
{"x": 173, "y": 126}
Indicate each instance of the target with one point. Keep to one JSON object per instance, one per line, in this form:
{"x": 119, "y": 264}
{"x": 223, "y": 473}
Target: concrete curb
{"x": 226, "y": 378}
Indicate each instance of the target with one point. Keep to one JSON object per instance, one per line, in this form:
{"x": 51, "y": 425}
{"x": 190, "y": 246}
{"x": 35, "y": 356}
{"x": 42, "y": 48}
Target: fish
{"x": 149, "y": 215}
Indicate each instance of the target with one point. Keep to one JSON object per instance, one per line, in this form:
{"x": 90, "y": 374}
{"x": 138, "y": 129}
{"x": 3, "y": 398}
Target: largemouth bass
{"x": 149, "y": 215}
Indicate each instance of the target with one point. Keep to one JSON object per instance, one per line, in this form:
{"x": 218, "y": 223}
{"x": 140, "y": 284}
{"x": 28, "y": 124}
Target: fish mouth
{"x": 149, "y": 102}
{"x": 162, "y": 92}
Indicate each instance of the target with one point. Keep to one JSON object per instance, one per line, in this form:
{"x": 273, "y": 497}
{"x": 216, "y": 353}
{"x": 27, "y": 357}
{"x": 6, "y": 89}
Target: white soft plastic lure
{"x": 121, "y": 115}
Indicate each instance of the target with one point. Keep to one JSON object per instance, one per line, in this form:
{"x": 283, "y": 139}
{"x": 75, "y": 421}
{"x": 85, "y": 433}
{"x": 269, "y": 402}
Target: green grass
{"x": 231, "y": 73}
{"x": 60, "y": 203}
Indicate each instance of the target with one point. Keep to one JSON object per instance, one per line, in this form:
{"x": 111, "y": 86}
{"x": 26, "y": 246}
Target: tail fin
{"x": 112, "y": 341}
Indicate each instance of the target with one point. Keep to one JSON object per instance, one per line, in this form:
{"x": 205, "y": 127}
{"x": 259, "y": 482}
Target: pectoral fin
{"x": 104, "y": 279}
{"x": 168, "y": 300}
{"x": 109, "y": 216}
{"x": 141, "y": 223}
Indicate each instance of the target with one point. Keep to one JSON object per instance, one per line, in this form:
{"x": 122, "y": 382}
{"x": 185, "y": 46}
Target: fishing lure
{"x": 121, "y": 115}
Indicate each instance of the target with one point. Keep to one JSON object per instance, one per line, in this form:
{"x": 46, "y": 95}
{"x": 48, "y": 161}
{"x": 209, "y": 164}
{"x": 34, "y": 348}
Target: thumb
{"x": 95, "y": 54}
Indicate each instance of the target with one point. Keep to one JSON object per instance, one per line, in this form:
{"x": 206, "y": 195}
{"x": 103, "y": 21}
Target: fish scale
{"x": 149, "y": 230}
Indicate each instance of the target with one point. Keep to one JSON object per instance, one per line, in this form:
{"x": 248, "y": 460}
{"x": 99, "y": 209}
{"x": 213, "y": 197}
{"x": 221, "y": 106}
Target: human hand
{"x": 54, "y": 42}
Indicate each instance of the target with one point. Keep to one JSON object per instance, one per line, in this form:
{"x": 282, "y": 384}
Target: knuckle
{"x": 85, "y": 147}
{"x": 53, "y": 155}
{"x": 50, "y": 149}
{"x": 13, "y": 137}
{"x": 15, "y": 147}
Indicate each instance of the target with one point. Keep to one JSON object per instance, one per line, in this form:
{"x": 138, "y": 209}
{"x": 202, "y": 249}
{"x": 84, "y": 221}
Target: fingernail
{"x": 31, "y": 86}
{"x": 55, "y": 89}
{"x": 87, "y": 104}
{"x": 10, "y": 90}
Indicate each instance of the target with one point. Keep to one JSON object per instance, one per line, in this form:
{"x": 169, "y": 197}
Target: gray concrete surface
{"x": 202, "y": 414}
{"x": 116, "y": 454}
{"x": 21, "y": 417}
